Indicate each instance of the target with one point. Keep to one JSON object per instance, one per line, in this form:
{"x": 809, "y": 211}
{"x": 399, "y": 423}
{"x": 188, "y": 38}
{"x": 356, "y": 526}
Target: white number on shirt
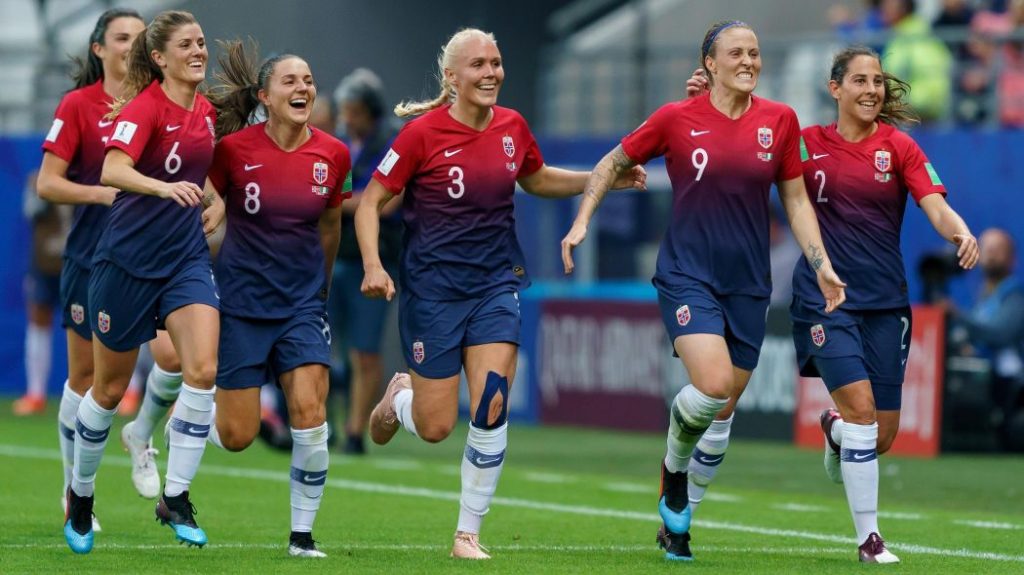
{"x": 173, "y": 162}
{"x": 252, "y": 197}
{"x": 903, "y": 337}
{"x": 821, "y": 187}
{"x": 455, "y": 173}
{"x": 700, "y": 161}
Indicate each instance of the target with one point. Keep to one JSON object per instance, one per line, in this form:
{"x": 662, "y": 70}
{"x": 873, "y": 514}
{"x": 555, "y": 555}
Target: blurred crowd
{"x": 966, "y": 65}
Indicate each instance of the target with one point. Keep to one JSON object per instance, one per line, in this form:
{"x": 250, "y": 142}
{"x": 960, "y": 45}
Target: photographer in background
{"x": 994, "y": 329}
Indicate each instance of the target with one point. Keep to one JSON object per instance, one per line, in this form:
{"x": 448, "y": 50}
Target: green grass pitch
{"x": 570, "y": 501}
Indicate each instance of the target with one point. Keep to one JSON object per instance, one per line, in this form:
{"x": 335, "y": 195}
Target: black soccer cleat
{"x": 301, "y": 544}
{"x": 676, "y": 546}
{"x": 179, "y": 513}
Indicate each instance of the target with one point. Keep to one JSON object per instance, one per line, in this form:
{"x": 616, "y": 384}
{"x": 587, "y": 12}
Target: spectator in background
{"x": 42, "y": 294}
{"x": 916, "y": 55}
{"x": 1011, "y": 77}
{"x": 857, "y": 28}
{"x": 358, "y": 322}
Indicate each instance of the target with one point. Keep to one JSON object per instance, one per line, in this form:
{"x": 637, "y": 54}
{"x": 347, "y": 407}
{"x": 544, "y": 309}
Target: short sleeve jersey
{"x": 147, "y": 236}
{"x": 859, "y": 191}
{"x": 722, "y": 171}
{"x": 460, "y": 240}
{"x": 77, "y": 136}
{"x": 271, "y": 264}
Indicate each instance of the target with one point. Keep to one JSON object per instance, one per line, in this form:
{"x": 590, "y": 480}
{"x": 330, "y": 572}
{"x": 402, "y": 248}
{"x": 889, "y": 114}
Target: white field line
{"x": 368, "y": 487}
{"x": 799, "y": 507}
{"x": 987, "y": 524}
{"x": 900, "y": 515}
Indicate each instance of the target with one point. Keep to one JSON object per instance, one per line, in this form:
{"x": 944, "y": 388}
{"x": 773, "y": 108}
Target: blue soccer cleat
{"x": 675, "y": 512}
{"x": 179, "y": 513}
{"x": 78, "y": 523}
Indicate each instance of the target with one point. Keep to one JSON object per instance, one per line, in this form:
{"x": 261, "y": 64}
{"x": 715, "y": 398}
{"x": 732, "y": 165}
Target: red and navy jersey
{"x": 77, "y": 136}
{"x": 722, "y": 171}
{"x": 460, "y": 239}
{"x": 859, "y": 191}
{"x": 148, "y": 236}
{"x": 271, "y": 264}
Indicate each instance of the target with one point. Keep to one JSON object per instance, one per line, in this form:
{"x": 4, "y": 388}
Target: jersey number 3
{"x": 455, "y": 173}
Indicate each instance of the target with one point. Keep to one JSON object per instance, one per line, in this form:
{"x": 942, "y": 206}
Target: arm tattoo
{"x": 208, "y": 199}
{"x": 606, "y": 176}
{"x": 817, "y": 258}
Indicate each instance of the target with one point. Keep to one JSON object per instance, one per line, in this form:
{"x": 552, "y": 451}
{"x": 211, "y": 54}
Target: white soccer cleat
{"x": 467, "y": 546}
{"x": 833, "y": 466}
{"x": 64, "y": 509}
{"x": 383, "y": 419}
{"x": 145, "y": 475}
{"x": 873, "y": 551}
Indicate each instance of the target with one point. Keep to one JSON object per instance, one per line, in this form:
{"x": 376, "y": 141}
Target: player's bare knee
{"x": 308, "y": 414}
{"x": 201, "y": 375}
{"x": 109, "y": 395}
{"x": 885, "y": 441}
{"x": 236, "y": 437}
{"x": 717, "y": 386}
{"x": 80, "y": 382}
{"x": 434, "y": 432}
{"x": 860, "y": 412}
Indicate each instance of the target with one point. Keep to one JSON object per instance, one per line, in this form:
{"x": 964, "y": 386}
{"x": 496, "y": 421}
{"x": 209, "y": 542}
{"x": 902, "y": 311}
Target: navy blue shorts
{"x": 126, "y": 311}
{"x": 435, "y": 332}
{"x": 74, "y": 298}
{"x": 692, "y": 307}
{"x": 258, "y": 351}
{"x": 42, "y": 289}
{"x": 853, "y": 345}
{"x": 358, "y": 321}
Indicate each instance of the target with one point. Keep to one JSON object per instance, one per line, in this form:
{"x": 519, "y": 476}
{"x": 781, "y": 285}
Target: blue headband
{"x": 711, "y": 39}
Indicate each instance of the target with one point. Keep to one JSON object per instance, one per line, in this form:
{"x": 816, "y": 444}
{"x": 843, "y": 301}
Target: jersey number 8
{"x": 252, "y": 197}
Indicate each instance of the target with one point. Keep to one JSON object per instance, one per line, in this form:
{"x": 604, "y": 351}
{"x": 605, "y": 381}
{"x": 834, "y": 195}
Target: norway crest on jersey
{"x": 509, "y": 146}
{"x": 764, "y": 137}
{"x": 319, "y": 172}
{"x": 683, "y": 315}
{"x": 77, "y": 313}
{"x": 103, "y": 322}
{"x": 418, "y": 352}
{"x": 818, "y": 334}
{"x": 883, "y": 160}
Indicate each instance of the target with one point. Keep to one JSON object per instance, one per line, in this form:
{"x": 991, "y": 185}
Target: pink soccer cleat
{"x": 873, "y": 551}
{"x": 384, "y": 419}
{"x": 467, "y": 546}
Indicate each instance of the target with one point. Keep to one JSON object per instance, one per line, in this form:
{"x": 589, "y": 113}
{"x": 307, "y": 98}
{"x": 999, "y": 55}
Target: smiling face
{"x": 184, "y": 56}
{"x": 862, "y": 92}
{"x": 117, "y": 43}
{"x": 476, "y": 72}
{"x": 734, "y": 60}
{"x": 289, "y": 92}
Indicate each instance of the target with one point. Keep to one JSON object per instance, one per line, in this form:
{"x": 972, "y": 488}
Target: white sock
{"x": 692, "y": 413}
{"x": 214, "y": 437}
{"x": 38, "y": 353}
{"x": 91, "y": 430}
{"x": 482, "y": 462}
{"x": 837, "y": 430}
{"x": 707, "y": 456}
{"x": 859, "y": 463}
{"x": 403, "y": 407}
{"x": 308, "y": 475}
{"x": 190, "y": 425}
{"x": 162, "y": 389}
{"x": 69, "y": 402}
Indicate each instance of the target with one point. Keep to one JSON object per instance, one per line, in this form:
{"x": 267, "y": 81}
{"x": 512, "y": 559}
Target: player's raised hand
{"x": 832, "y": 288}
{"x": 697, "y": 84}
{"x": 187, "y": 194}
{"x": 575, "y": 237}
{"x": 635, "y": 178}
{"x": 377, "y": 283}
{"x": 967, "y": 250}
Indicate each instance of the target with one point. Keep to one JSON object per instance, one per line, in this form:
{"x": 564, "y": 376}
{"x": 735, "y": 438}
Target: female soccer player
{"x": 462, "y": 266}
{"x": 861, "y": 351}
{"x": 152, "y": 266}
{"x": 284, "y": 183}
{"x": 723, "y": 152}
{"x": 70, "y": 173}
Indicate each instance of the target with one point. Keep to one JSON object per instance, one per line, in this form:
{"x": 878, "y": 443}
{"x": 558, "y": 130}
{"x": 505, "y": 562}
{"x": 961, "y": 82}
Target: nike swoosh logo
{"x": 695, "y": 133}
{"x": 103, "y": 124}
{"x": 861, "y": 455}
{"x": 818, "y": 156}
{"x": 195, "y": 430}
{"x": 88, "y": 434}
{"x": 903, "y": 362}
{"x": 249, "y": 168}
{"x": 710, "y": 460}
{"x": 314, "y": 478}
{"x": 450, "y": 153}
{"x": 173, "y": 128}
{"x": 483, "y": 461}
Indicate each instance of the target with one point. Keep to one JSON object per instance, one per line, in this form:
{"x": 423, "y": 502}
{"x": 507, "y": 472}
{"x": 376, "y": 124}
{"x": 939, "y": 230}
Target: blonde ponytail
{"x": 444, "y": 60}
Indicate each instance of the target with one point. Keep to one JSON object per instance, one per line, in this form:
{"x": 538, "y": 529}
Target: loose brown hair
{"x": 895, "y": 109}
